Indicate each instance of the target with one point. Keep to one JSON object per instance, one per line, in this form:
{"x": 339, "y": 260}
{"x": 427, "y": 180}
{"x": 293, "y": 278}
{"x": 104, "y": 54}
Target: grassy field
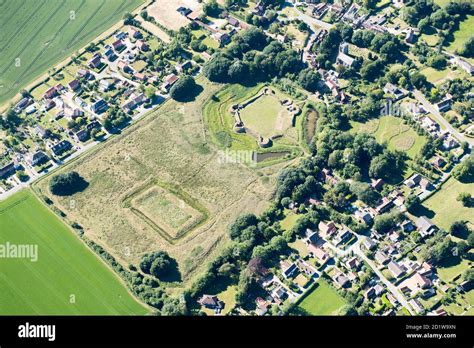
{"x": 163, "y": 206}
{"x": 266, "y": 116}
{"x": 323, "y": 300}
{"x": 442, "y": 3}
{"x": 443, "y": 207}
{"x": 289, "y": 221}
{"x": 462, "y": 35}
{"x": 431, "y": 40}
{"x": 169, "y": 144}
{"x": 437, "y": 77}
{"x": 434, "y": 75}
{"x": 447, "y": 274}
{"x": 394, "y": 132}
{"x": 38, "y": 34}
{"x": 219, "y": 121}
{"x": 65, "y": 268}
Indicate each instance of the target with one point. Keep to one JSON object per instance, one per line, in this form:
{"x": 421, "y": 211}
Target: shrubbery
{"x": 158, "y": 264}
{"x": 183, "y": 89}
{"x": 67, "y": 184}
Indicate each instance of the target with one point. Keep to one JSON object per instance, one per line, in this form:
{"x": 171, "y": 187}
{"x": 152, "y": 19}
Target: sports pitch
{"x": 36, "y": 35}
{"x": 66, "y": 279}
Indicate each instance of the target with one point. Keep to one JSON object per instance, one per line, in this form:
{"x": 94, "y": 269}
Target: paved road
{"x": 357, "y": 251}
{"x": 392, "y": 288}
{"x": 433, "y": 110}
{"x": 312, "y": 21}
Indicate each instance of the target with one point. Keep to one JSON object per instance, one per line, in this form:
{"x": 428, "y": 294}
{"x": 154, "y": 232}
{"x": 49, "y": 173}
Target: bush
{"x": 183, "y": 88}
{"x": 22, "y": 176}
{"x": 158, "y": 264}
{"x": 67, "y": 184}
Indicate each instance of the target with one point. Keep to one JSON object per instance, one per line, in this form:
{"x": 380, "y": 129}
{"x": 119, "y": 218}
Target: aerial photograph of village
{"x": 237, "y": 158}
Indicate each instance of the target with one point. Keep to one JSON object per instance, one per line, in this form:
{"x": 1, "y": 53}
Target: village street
{"x": 311, "y": 21}
{"x": 355, "y": 248}
{"x": 439, "y": 118}
{"x": 392, "y": 288}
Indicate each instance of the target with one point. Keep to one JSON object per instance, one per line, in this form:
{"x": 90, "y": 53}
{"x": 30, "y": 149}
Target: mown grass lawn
{"x": 448, "y": 273}
{"x": 210, "y": 42}
{"x": 219, "y": 120}
{"x": 443, "y": 206}
{"x": 289, "y": 221}
{"x": 431, "y": 40}
{"x": 65, "y": 269}
{"x": 442, "y": 3}
{"x": 434, "y": 75}
{"x": 262, "y": 114}
{"x": 323, "y": 300}
{"x": 463, "y": 34}
{"x": 224, "y": 292}
{"x": 394, "y": 132}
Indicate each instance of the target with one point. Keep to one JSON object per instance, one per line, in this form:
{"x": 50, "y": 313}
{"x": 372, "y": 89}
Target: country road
{"x": 433, "y": 110}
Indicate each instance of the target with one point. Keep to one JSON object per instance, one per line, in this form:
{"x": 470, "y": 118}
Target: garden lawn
{"x": 289, "y": 221}
{"x": 445, "y": 208}
{"x": 65, "y": 269}
{"x": 323, "y": 300}
{"x": 463, "y": 34}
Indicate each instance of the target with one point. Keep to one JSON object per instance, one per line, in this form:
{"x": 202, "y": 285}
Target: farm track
{"x": 13, "y": 205}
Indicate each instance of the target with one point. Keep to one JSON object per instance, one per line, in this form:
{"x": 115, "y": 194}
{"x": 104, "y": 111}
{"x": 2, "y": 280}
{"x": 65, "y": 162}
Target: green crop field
{"x": 65, "y": 271}
{"x": 323, "y": 300}
{"x": 38, "y": 34}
